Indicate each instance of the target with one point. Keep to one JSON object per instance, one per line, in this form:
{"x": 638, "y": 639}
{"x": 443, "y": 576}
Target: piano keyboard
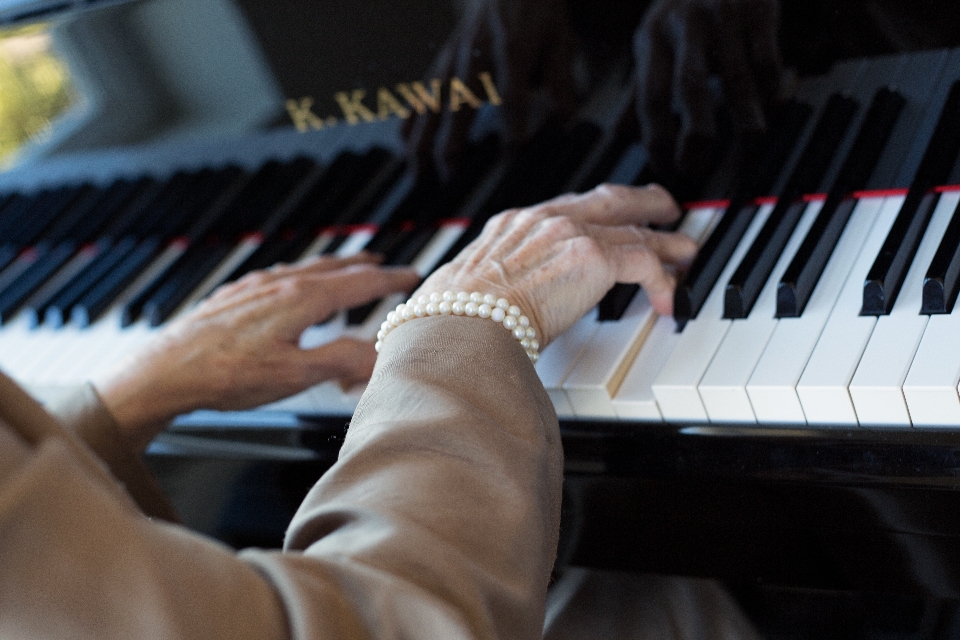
{"x": 824, "y": 293}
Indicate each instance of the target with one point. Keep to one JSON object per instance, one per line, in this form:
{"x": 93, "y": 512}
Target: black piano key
{"x": 613, "y": 305}
{"x": 195, "y": 265}
{"x": 942, "y": 280}
{"x": 99, "y": 298}
{"x": 753, "y": 271}
{"x": 886, "y": 276}
{"x": 13, "y": 296}
{"x": 203, "y": 211}
{"x": 57, "y": 311}
{"x": 761, "y": 170}
{"x": 801, "y": 276}
{"x": 111, "y": 208}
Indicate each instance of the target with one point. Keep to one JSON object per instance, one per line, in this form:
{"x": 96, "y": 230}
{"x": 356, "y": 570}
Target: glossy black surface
{"x": 819, "y": 509}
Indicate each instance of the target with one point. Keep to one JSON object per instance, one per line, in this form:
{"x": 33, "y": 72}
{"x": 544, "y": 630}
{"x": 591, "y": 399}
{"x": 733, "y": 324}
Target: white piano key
{"x": 676, "y": 387}
{"x": 359, "y": 237}
{"x": 634, "y": 399}
{"x": 603, "y": 363}
{"x": 557, "y": 359}
{"x": 723, "y": 387}
{"x": 772, "y": 386}
{"x": 319, "y": 244}
{"x": 876, "y": 388}
{"x": 823, "y": 387}
{"x": 931, "y": 387}
{"x": 599, "y": 371}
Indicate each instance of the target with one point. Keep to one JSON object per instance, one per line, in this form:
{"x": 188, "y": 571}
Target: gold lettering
{"x": 492, "y": 95}
{"x": 419, "y": 98}
{"x": 387, "y": 103}
{"x": 459, "y": 93}
{"x": 353, "y": 109}
{"x": 304, "y": 119}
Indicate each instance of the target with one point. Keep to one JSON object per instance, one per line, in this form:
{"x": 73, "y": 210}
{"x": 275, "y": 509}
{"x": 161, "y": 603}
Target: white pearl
{"x": 484, "y": 310}
{"x": 470, "y": 309}
{"x": 394, "y": 319}
{"x": 510, "y": 322}
{"x": 525, "y": 343}
{"x": 381, "y": 334}
{"x": 457, "y": 308}
{"x": 497, "y": 314}
{"x": 433, "y": 308}
{"x": 503, "y": 304}
{"x": 534, "y": 344}
{"x": 531, "y": 333}
{"x": 524, "y": 321}
{"x": 444, "y": 308}
{"x": 406, "y": 313}
{"x": 534, "y": 357}
{"x": 378, "y": 345}
{"x": 449, "y": 296}
{"x": 386, "y": 326}
{"x": 419, "y": 310}
{"x": 477, "y": 297}
{"x": 424, "y": 299}
{"x": 463, "y": 296}
{"x": 490, "y": 299}
{"x": 519, "y": 333}
{"x": 514, "y": 310}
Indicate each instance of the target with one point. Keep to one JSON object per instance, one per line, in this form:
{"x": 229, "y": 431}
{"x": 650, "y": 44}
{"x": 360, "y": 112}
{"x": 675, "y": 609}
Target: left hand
{"x": 240, "y": 347}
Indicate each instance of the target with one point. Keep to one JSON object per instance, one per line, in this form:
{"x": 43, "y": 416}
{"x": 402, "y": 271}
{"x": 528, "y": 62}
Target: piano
{"x": 794, "y": 430}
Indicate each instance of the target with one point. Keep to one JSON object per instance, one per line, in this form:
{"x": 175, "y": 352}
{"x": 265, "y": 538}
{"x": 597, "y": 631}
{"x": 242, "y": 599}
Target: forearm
{"x": 444, "y": 505}
{"x": 83, "y": 413}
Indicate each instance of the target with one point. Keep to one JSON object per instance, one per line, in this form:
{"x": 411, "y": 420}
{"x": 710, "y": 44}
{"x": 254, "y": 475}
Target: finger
{"x": 322, "y": 294}
{"x": 611, "y": 204}
{"x": 671, "y": 248}
{"x": 346, "y": 359}
{"x": 654, "y": 69}
{"x": 641, "y": 265}
{"x": 736, "y": 70}
{"x": 320, "y": 264}
{"x": 694, "y": 40}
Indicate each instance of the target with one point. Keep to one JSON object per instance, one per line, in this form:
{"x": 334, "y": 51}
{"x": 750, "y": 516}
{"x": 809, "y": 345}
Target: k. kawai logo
{"x": 403, "y": 101}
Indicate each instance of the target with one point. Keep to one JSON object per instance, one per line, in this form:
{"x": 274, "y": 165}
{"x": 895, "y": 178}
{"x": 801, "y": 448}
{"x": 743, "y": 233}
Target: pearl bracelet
{"x": 465, "y": 304}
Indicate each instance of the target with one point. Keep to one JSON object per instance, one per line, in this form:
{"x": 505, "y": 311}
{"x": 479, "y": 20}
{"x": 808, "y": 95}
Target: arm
{"x": 439, "y": 519}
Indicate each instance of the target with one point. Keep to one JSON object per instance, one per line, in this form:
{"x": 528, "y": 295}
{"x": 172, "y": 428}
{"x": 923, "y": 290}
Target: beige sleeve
{"x": 438, "y": 521}
{"x": 83, "y": 413}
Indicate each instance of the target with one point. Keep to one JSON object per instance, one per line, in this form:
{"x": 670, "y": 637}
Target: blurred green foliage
{"x": 35, "y": 88}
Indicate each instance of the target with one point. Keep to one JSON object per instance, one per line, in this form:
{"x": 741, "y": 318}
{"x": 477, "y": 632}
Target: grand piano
{"x": 793, "y": 431}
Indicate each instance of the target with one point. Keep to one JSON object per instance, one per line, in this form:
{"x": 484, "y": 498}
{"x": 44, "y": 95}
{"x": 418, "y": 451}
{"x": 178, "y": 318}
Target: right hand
{"x": 557, "y": 259}
{"x": 677, "y": 47}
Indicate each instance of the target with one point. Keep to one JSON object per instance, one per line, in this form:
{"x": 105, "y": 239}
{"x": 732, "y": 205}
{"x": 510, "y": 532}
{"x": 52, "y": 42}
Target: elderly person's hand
{"x": 240, "y": 347}
{"x": 556, "y": 260}
{"x": 679, "y": 45}
{"x": 526, "y": 46}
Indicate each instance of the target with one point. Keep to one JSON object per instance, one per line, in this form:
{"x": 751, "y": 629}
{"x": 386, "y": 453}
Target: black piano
{"x": 794, "y": 431}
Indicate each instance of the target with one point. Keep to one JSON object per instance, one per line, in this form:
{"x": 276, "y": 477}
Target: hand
{"x": 556, "y": 260}
{"x": 525, "y": 45}
{"x": 679, "y": 44}
{"x": 239, "y": 348}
